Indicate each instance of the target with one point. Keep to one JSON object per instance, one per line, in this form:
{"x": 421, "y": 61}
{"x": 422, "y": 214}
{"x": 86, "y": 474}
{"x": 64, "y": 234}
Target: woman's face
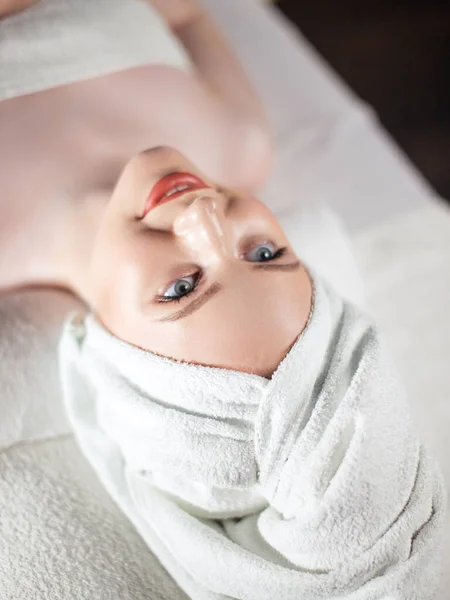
{"x": 195, "y": 272}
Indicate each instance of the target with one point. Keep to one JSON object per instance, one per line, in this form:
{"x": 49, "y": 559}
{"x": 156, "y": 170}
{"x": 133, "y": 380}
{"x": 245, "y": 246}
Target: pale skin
{"x": 10, "y": 7}
{"x": 72, "y": 201}
{"x": 207, "y": 277}
{"x": 62, "y": 150}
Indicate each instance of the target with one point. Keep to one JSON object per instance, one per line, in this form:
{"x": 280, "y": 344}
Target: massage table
{"x": 61, "y": 536}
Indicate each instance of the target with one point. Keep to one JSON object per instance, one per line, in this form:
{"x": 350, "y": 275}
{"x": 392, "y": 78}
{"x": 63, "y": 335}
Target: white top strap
{"x": 57, "y": 42}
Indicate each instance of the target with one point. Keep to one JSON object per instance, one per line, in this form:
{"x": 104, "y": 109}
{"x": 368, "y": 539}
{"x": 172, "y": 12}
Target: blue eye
{"x": 264, "y": 253}
{"x": 181, "y": 287}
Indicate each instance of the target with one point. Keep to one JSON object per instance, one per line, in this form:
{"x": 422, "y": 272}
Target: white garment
{"x": 57, "y": 42}
{"x": 333, "y": 494}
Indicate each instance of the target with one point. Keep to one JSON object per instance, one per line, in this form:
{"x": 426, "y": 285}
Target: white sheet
{"x": 330, "y": 148}
{"x": 405, "y": 265}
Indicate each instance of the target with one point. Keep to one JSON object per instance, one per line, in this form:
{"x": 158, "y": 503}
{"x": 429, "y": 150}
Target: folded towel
{"x": 57, "y": 42}
{"x": 310, "y": 485}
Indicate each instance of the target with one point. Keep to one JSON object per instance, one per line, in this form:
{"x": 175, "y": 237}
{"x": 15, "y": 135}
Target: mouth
{"x": 170, "y": 187}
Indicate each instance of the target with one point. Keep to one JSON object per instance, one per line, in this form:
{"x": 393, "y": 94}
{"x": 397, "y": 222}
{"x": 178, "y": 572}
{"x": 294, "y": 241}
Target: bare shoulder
{"x": 59, "y": 146}
{"x": 65, "y": 144}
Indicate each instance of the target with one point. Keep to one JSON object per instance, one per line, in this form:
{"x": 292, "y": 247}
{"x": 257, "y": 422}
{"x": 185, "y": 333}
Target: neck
{"x": 74, "y": 259}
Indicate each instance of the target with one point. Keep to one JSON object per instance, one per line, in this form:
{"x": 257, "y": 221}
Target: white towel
{"x": 311, "y": 485}
{"x": 57, "y": 42}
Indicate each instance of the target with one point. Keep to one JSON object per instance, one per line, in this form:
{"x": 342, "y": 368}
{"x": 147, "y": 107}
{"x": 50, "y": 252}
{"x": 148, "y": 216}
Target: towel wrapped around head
{"x": 310, "y": 485}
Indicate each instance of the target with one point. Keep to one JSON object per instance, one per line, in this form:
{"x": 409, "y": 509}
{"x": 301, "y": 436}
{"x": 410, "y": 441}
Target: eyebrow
{"x": 273, "y": 266}
{"x": 193, "y": 306}
{"x": 217, "y": 287}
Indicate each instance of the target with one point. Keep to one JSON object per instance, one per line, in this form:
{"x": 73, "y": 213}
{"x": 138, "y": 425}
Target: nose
{"x": 203, "y": 227}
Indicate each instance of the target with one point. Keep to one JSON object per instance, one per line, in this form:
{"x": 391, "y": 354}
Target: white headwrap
{"x": 315, "y": 479}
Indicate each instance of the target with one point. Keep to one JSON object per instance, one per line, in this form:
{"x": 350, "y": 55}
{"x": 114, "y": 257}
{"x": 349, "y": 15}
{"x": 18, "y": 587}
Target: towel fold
{"x": 57, "y": 42}
{"x": 310, "y": 485}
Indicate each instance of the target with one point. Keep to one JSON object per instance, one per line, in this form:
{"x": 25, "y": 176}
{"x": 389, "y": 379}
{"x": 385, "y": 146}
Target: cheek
{"x": 116, "y": 297}
{"x": 120, "y": 270}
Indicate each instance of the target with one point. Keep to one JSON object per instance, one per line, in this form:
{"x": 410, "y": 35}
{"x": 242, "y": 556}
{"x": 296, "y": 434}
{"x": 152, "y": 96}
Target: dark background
{"x": 396, "y": 56}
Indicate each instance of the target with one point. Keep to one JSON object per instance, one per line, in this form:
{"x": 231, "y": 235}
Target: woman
{"x": 93, "y": 84}
{"x": 217, "y": 469}
{"x": 179, "y": 242}
{"x": 245, "y": 418}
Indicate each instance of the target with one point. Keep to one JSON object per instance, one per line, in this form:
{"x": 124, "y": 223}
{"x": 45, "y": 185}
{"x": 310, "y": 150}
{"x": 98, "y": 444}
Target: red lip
{"x": 158, "y": 194}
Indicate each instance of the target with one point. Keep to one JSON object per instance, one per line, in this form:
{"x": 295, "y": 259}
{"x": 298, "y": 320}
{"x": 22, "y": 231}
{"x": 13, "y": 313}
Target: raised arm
{"x": 226, "y": 95}
{"x": 9, "y": 7}
{"x": 212, "y": 57}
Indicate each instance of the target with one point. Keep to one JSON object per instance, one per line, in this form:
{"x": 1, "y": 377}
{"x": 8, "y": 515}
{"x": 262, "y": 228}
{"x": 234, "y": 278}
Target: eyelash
{"x": 279, "y": 253}
{"x": 165, "y": 299}
{"x": 176, "y": 299}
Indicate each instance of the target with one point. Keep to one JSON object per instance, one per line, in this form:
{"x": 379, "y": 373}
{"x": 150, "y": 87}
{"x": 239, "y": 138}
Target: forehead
{"x": 248, "y": 326}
